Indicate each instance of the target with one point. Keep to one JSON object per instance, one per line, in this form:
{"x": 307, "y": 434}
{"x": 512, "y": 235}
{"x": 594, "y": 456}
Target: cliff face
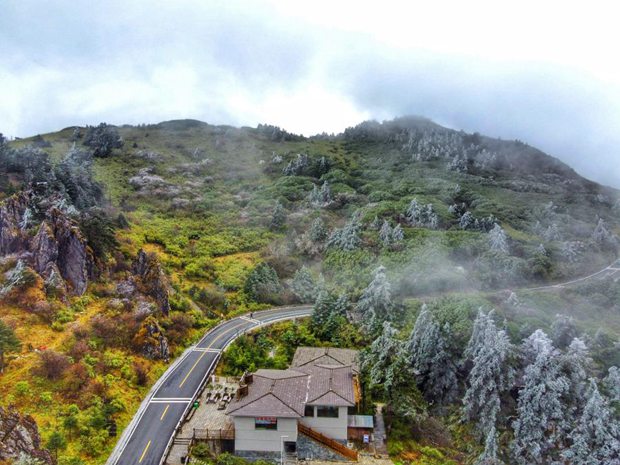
{"x": 152, "y": 280}
{"x": 19, "y": 435}
{"x": 57, "y": 250}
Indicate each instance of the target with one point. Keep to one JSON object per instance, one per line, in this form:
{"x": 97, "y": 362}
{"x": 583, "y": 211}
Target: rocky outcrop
{"x": 13, "y": 238}
{"x": 151, "y": 342}
{"x": 44, "y": 248}
{"x": 19, "y": 435}
{"x": 153, "y": 281}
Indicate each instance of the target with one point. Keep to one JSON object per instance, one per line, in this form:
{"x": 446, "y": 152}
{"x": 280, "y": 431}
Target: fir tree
{"x": 541, "y": 409}
{"x": 385, "y": 234}
{"x": 347, "y": 238}
{"x": 318, "y": 232}
{"x": 304, "y": 286}
{"x": 497, "y": 240}
{"x": 8, "y": 343}
{"x": 263, "y": 284}
{"x": 375, "y": 305}
{"x": 595, "y": 440}
{"x": 397, "y": 234}
{"x": 612, "y": 383}
{"x": 491, "y": 375}
{"x": 278, "y": 217}
{"x": 489, "y": 456}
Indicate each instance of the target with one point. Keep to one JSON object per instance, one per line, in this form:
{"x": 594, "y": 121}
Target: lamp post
{"x": 282, "y": 449}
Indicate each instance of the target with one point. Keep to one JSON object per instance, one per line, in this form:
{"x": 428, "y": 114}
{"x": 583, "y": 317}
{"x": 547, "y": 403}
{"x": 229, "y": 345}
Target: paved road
{"x": 146, "y": 438}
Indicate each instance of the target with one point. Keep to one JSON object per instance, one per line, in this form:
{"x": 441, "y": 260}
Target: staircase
{"x": 327, "y": 442}
{"x": 289, "y": 458}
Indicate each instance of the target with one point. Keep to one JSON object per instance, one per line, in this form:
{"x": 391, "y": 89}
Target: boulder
{"x": 13, "y": 238}
{"x": 19, "y": 435}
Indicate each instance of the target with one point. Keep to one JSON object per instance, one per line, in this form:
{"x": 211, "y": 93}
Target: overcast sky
{"x": 547, "y": 73}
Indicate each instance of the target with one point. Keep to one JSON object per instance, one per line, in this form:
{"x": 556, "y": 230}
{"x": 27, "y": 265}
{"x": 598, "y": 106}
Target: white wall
{"x": 335, "y": 428}
{"x": 249, "y": 438}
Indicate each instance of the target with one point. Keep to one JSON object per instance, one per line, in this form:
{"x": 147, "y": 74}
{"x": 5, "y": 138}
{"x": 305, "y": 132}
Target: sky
{"x": 547, "y": 73}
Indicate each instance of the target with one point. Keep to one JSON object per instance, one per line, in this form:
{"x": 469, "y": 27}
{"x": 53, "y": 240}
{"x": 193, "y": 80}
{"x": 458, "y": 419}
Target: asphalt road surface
{"x": 145, "y": 441}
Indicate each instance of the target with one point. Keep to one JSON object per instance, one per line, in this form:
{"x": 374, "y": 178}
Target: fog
{"x": 547, "y": 75}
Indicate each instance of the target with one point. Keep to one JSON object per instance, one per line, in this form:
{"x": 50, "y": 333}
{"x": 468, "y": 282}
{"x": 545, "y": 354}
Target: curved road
{"x": 147, "y": 437}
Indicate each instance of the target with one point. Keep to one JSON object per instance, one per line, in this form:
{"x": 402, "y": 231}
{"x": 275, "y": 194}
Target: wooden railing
{"x": 327, "y": 441}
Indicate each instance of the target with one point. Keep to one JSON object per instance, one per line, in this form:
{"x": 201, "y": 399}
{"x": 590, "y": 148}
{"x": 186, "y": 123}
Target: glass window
{"x": 309, "y": 411}
{"x": 266, "y": 423}
{"x": 327, "y": 412}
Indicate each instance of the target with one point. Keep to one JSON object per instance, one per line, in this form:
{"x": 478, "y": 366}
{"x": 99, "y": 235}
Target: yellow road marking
{"x": 205, "y": 353}
{"x": 144, "y": 453}
{"x": 165, "y": 411}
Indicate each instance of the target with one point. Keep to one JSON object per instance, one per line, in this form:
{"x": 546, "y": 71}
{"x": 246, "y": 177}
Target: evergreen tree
{"x": 491, "y": 375}
{"x": 8, "y": 343}
{"x": 322, "y": 321}
{"x": 263, "y": 284}
{"x": 564, "y": 331}
{"x": 541, "y": 409}
{"x": 376, "y": 223}
{"x": 103, "y": 139}
{"x": 381, "y": 359}
{"x": 422, "y": 216}
{"x": 278, "y": 217}
{"x": 576, "y": 364}
{"x": 612, "y": 383}
{"x": 385, "y": 234}
{"x": 430, "y": 359}
{"x": 397, "y": 234}
{"x": 595, "y": 440}
{"x": 304, "y": 286}
{"x": 375, "y": 305}
{"x": 497, "y": 240}
{"x": 348, "y": 237}
{"x": 489, "y": 456}
{"x": 318, "y": 232}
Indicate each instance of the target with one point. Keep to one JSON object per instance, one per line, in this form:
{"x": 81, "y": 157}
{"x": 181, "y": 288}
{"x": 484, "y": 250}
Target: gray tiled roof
{"x": 285, "y": 393}
{"x": 278, "y": 393}
{"x": 325, "y": 356}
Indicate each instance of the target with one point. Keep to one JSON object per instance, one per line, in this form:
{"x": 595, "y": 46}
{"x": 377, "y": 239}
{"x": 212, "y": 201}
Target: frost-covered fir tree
{"x": 304, "y": 286}
{"x": 326, "y": 193}
{"x": 318, "y": 231}
{"x": 577, "y": 364}
{"x": 467, "y": 221}
{"x": 552, "y": 233}
{"x": 421, "y": 216}
{"x": 489, "y": 455}
{"x": 497, "y": 240}
{"x": 342, "y": 305}
{"x": 397, "y": 234}
{"x": 322, "y": 315}
{"x": 478, "y": 332}
{"x": 376, "y": 223}
{"x": 263, "y": 284}
{"x": 375, "y": 306}
{"x": 385, "y": 233}
{"x": 601, "y": 234}
{"x": 382, "y": 358}
{"x": 571, "y": 250}
{"x": 612, "y": 384}
{"x": 491, "y": 375}
{"x": 348, "y": 237}
{"x": 458, "y": 164}
{"x": 278, "y": 217}
{"x": 563, "y": 330}
{"x": 595, "y": 440}
{"x": 541, "y": 409}
{"x": 431, "y": 360}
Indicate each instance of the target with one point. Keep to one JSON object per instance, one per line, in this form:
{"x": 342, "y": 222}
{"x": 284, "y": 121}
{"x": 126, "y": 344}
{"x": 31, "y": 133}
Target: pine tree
{"x": 422, "y": 216}
{"x": 348, "y": 238}
{"x": 596, "y": 437}
{"x": 541, "y": 407}
{"x": 397, "y": 234}
{"x": 375, "y": 305}
{"x": 318, "y": 232}
{"x": 278, "y": 217}
{"x": 385, "y": 234}
{"x": 382, "y": 357}
{"x": 376, "y": 223}
{"x": 430, "y": 359}
{"x": 489, "y": 456}
{"x": 304, "y": 286}
{"x": 8, "y": 343}
{"x": 491, "y": 375}
{"x": 263, "y": 284}
{"x": 612, "y": 383}
{"x": 497, "y": 240}
{"x": 576, "y": 364}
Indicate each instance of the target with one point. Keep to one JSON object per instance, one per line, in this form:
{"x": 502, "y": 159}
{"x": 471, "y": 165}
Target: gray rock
{"x": 154, "y": 282}
{"x": 20, "y": 435}
{"x": 12, "y": 238}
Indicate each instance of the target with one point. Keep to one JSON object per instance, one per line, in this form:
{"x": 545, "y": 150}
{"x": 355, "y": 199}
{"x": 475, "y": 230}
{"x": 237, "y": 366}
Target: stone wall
{"x": 309, "y": 449}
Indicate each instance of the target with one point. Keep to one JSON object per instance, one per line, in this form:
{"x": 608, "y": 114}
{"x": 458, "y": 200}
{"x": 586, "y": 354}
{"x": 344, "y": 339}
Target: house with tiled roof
{"x": 310, "y": 401}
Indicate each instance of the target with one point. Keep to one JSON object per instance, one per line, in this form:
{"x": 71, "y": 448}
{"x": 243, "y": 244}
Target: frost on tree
{"x": 571, "y": 251}
{"x": 489, "y": 455}
{"x": 491, "y": 374}
{"x": 576, "y": 365}
{"x": 612, "y": 384}
{"x": 397, "y": 234}
{"x": 320, "y": 197}
{"x": 422, "y": 216}
{"x": 381, "y": 359}
{"x": 278, "y": 217}
{"x": 376, "y": 223}
{"x": 348, "y": 237}
{"x": 595, "y": 440}
{"x": 602, "y": 235}
{"x": 428, "y": 354}
{"x": 385, "y": 233}
{"x": 318, "y": 232}
{"x": 541, "y": 410}
{"x": 375, "y": 305}
{"x": 304, "y": 286}
{"x": 563, "y": 330}
{"x": 552, "y": 233}
{"x": 497, "y": 240}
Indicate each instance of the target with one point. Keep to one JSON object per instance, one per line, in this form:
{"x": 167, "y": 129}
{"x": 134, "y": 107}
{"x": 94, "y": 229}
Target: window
{"x": 309, "y": 411}
{"x": 327, "y": 412}
{"x": 266, "y": 423}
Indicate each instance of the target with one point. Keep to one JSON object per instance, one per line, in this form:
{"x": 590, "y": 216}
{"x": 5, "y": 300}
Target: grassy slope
{"x": 214, "y": 243}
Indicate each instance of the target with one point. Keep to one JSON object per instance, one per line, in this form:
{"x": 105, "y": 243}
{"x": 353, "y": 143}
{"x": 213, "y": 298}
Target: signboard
{"x": 266, "y": 423}
{"x": 366, "y": 438}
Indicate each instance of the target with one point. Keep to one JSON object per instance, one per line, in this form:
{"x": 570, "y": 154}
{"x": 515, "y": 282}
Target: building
{"x": 304, "y": 409}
